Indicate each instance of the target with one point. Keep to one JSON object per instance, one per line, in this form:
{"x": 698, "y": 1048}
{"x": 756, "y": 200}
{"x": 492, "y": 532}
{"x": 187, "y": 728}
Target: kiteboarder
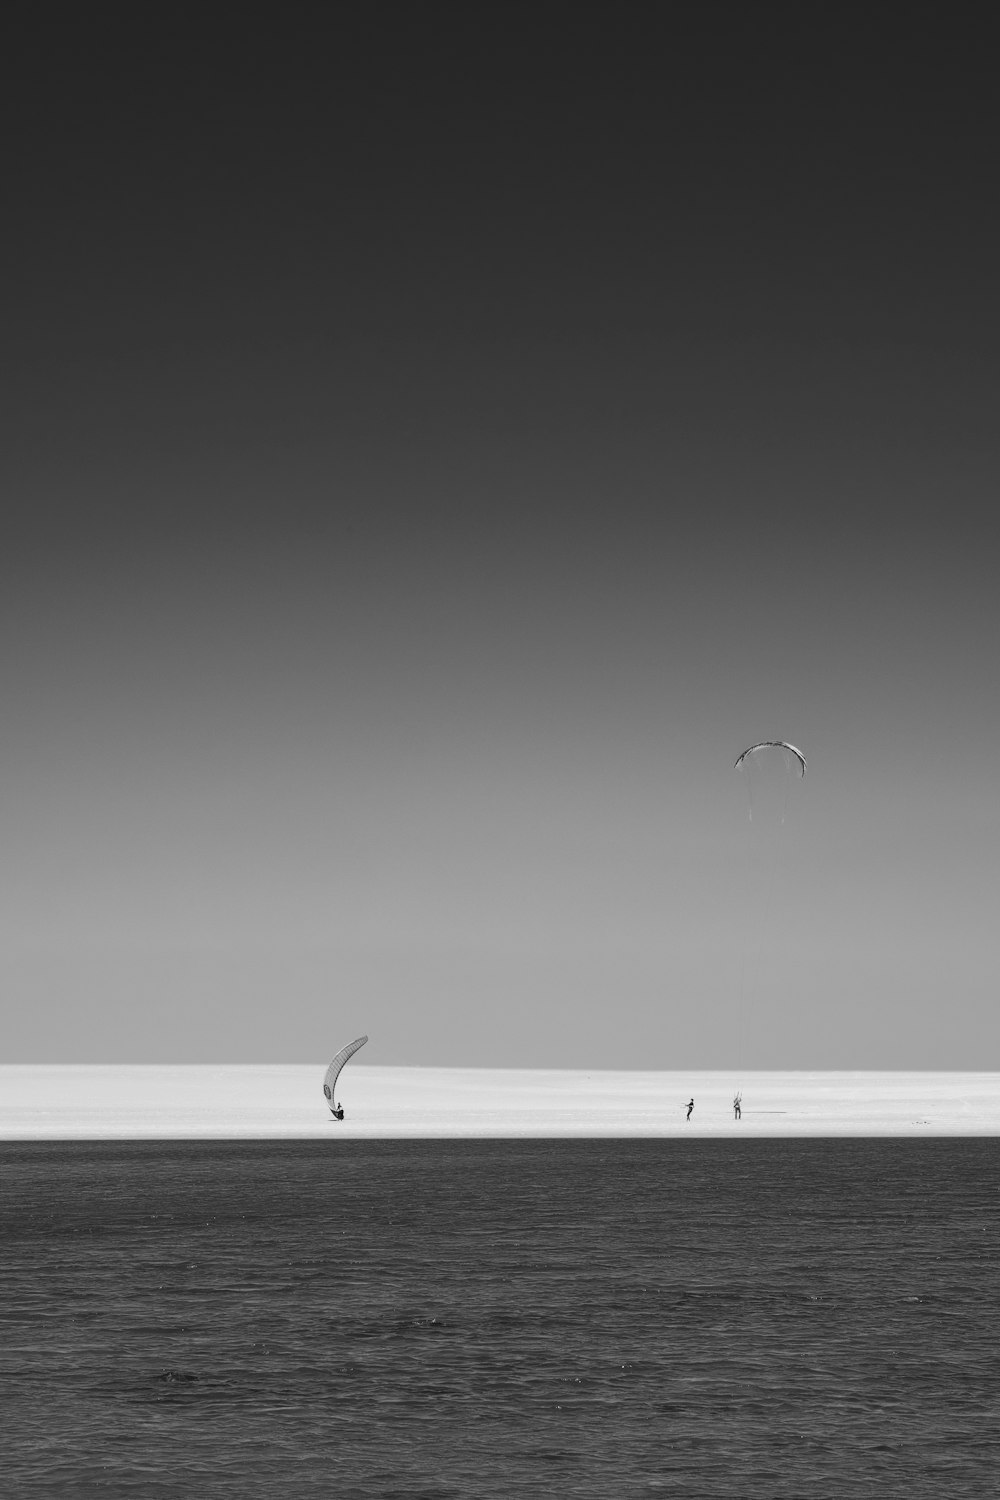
{"x": 690, "y": 1107}
{"x": 737, "y": 1103}
{"x": 338, "y": 1111}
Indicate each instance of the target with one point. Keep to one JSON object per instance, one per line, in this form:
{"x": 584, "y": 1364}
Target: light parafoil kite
{"x": 773, "y": 745}
{"x": 333, "y": 1071}
{"x": 770, "y": 771}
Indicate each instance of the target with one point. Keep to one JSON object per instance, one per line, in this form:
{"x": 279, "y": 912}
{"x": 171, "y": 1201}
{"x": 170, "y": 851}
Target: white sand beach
{"x": 39, "y": 1102}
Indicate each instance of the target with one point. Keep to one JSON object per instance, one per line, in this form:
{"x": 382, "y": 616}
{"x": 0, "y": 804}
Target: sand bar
{"x": 52, "y": 1102}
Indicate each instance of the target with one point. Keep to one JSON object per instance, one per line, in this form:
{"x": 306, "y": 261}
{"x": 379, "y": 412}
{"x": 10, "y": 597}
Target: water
{"x": 769, "y": 1318}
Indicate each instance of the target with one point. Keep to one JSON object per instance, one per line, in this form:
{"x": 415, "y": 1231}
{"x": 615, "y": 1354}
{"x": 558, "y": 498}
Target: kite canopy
{"x": 773, "y": 745}
{"x": 333, "y": 1071}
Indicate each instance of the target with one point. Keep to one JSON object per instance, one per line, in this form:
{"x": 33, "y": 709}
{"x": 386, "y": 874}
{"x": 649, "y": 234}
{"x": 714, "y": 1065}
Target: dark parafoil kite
{"x": 333, "y": 1071}
{"x": 773, "y": 745}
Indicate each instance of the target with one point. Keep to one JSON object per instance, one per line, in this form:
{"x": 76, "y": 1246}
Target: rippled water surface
{"x": 501, "y": 1318}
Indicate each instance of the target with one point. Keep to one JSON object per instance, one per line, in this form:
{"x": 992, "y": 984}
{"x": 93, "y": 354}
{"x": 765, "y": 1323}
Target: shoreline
{"x": 285, "y": 1101}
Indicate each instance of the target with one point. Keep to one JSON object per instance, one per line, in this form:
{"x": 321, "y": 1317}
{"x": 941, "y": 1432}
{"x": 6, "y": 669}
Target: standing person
{"x": 690, "y": 1108}
{"x": 737, "y": 1107}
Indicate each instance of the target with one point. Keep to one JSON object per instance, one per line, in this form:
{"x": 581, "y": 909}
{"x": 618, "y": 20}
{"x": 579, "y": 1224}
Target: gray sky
{"x": 433, "y": 455}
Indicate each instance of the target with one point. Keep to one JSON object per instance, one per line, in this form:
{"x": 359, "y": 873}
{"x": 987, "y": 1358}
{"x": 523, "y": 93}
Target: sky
{"x": 436, "y": 442}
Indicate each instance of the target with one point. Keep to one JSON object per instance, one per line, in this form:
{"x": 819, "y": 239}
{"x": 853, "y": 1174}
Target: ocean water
{"x": 769, "y": 1318}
